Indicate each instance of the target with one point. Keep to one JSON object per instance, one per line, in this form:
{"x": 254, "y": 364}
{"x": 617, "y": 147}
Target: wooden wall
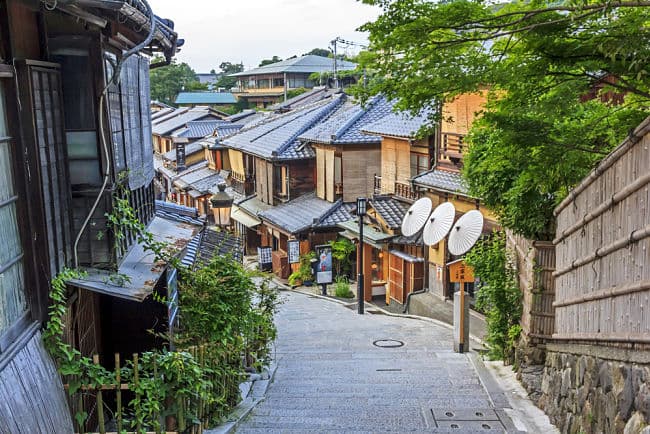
{"x": 459, "y": 114}
{"x": 395, "y": 163}
{"x": 603, "y": 244}
{"x": 359, "y": 168}
{"x": 31, "y": 394}
{"x": 320, "y": 171}
{"x": 264, "y": 180}
{"x": 301, "y": 177}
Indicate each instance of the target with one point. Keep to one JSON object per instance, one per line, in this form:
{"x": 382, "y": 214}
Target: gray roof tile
{"x": 336, "y": 215}
{"x": 390, "y": 210}
{"x": 173, "y": 123}
{"x": 276, "y": 138}
{"x": 299, "y": 214}
{"x": 399, "y": 125}
{"x": 347, "y": 123}
{"x": 303, "y": 64}
{"x": 203, "y": 128}
{"x": 201, "y": 180}
{"x": 190, "y": 149}
{"x": 444, "y": 180}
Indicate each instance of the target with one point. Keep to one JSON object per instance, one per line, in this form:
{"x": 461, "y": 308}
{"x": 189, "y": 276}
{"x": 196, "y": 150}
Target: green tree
{"x": 228, "y": 68}
{"x": 565, "y": 86}
{"x": 274, "y": 59}
{"x": 168, "y": 81}
{"x": 322, "y": 52}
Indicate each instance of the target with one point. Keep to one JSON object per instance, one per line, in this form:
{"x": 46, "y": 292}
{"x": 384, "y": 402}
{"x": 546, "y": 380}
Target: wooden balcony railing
{"x": 405, "y": 191}
{"x": 453, "y": 146}
{"x": 242, "y": 184}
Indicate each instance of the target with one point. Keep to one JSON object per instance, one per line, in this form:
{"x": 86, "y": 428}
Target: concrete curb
{"x": 256, "y": 394}
{"x": 475, "y": 338}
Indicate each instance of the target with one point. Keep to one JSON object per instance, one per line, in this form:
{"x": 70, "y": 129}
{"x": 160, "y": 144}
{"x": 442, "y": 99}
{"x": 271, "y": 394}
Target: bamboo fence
{"x": 111, "y": 409}
{"x": 603, "y": 250}
{"x": 535, "y": 263}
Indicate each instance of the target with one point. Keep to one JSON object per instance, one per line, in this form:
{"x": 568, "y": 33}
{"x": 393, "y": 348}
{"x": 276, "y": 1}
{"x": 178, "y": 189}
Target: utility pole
{"x": 336, "y": 75}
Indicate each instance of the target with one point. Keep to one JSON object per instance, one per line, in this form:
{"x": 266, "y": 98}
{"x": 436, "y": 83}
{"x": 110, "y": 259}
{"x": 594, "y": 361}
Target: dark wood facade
{"x": 54, "y": 65}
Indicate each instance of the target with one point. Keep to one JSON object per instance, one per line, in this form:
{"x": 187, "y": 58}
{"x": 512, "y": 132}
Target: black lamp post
{"x": 361, "y": 211}
{"x": 221, "y": 203}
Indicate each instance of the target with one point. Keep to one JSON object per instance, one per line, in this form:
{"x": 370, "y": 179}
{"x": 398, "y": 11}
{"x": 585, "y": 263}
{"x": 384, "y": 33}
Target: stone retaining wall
{"x": 591, "y": 394}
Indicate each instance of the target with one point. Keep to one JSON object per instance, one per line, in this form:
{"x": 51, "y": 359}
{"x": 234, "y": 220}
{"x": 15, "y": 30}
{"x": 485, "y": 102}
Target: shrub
{"x": 342, "y": 287}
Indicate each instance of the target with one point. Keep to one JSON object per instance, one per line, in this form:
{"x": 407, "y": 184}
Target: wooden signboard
{"x": 460, "y": 272}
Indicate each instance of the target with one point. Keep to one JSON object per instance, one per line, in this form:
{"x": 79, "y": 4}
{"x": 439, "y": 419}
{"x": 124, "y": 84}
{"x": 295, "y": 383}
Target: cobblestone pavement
{"x": 332, "y": 378}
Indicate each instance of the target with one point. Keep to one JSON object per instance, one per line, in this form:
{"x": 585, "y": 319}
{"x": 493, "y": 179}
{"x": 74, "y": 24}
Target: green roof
{"x": 205, "y": 98}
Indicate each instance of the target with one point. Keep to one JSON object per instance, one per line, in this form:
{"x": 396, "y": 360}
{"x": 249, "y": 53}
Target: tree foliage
{"x": 274, "y": 59}
{"x": 168, "y": 81}
{"x": 322, "y": 52}
{"x": 498, "y": 294}
{"x": 226, "y": 69}
{"x": 564, "y": 86}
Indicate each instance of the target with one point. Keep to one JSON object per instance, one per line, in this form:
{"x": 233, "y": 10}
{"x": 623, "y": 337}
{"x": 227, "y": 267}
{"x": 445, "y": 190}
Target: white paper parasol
{"x": 416, "y": 216}
{"x": 439, "y": 223}
{"x": 465, "y": 232}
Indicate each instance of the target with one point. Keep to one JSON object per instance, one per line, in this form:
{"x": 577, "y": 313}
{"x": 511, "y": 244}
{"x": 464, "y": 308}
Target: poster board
{"x": 294, "y": 251}
{"x": 324, "y": 269}
{"x": 264, "y": 258}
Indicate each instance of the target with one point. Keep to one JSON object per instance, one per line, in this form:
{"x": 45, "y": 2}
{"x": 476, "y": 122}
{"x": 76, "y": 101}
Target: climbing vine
{"x": 226, "y": 325}
{"x": 498, "y": 294}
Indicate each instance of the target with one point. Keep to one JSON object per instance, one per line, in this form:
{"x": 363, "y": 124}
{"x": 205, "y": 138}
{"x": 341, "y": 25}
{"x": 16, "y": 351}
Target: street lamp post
{"x": 361, "y": 211}
{"x": 221, "y": 203}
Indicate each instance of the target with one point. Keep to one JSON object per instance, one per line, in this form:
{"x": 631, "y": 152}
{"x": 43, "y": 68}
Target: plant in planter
{"x": 342, "y": 287}
{"x": 303, "y": 276}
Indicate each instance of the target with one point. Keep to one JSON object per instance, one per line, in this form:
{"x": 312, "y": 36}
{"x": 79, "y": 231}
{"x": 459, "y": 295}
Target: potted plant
{"x": 303, "y": 276}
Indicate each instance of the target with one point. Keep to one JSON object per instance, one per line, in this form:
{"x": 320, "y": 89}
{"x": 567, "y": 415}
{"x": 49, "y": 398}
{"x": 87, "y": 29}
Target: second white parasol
{"x": 439, "y": 223}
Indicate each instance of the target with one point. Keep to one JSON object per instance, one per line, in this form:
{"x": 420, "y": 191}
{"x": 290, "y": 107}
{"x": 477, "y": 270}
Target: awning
{"x": 243, "y": 217}
{"x": 371, "y": 235}
{"x": 195, "y": 194}
{"x": 137, "y": 275}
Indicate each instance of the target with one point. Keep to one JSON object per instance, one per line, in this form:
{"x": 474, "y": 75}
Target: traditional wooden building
{"x": 269, "y": 84}
{"x": 71, "y": 137}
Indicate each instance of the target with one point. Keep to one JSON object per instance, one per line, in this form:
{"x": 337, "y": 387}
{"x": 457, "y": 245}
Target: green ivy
{"x": 498, "y": 294}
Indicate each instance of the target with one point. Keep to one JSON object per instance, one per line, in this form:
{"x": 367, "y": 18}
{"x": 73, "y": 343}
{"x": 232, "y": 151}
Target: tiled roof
{"x": 180, "y": 213}
{"x": 347, "y": 123}
{"x": 218, "y": 243}
{"x": 253, "y": 205}
{"x": 309, "y": 97}
{"x": 303, "y": 64}
{"x": 390, "y": 210}
{"x": 399, "y": 125}
{"x": 241, "y": 115}
{"x": 444, "y": 180}
{"x": 276, "y": 138}
{"x": 190, "y": 149}
{"x": 175, "y": 122}
{"x": 199, "y": 129}
{"x": 201, "y": 180}
{"x": 205, "y": 98}
{"x": 299, "y": 214}
{"x": 336, "y": 215}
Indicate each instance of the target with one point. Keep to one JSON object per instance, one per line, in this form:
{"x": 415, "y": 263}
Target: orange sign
{"x": 460, "y": 272}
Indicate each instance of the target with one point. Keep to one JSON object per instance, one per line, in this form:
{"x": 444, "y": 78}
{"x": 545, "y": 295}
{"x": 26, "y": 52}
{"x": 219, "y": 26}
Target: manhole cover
{"x": 388, "y": 343}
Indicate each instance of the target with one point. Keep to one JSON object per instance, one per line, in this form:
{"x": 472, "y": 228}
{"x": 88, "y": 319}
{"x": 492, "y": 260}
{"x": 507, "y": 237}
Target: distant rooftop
{"x": 205, "y": 98}
{"x": 400, "y": 125}
{"x": 305, "y": 64}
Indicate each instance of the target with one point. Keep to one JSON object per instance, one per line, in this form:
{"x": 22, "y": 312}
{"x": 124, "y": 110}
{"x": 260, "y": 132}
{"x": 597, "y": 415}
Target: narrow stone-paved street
{"x": 331, "y": 377}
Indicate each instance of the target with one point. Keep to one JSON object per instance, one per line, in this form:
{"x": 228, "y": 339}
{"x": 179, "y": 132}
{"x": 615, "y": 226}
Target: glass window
{"x": 13, "y": 303}
{"x": 419, "y": 163}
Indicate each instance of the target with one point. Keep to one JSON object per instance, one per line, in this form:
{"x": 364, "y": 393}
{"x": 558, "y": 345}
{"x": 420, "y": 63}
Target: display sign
{"x": 324, "y": 269}
{"x": 459, "y": 272}
{"x": 264, "y": 258}
{"x": 294, "y": 251}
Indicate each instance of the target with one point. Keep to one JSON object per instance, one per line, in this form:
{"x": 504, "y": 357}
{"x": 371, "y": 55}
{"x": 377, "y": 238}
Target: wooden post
{"x": 100, "y": 403}
{"x": 462, "y": 342}
{"x": 137, "y": 394}
{"x": 118, "y": 398}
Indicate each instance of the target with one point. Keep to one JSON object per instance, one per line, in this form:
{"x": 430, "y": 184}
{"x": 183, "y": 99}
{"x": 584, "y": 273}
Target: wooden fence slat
{"x": 100, "y": 404}
{"x": 118, "y": 394}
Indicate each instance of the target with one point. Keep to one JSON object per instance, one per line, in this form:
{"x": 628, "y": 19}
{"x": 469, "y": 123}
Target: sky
{"x": 248, "y": 31}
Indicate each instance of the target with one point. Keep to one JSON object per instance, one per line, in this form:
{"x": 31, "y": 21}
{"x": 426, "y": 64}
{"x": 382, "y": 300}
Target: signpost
{"x": 324, "y": 269}
{"x": 294, "y": 251}
{"x": 459, "y": 272}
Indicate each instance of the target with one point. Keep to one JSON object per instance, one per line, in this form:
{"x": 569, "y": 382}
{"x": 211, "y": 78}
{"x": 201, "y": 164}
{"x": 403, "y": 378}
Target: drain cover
{"x": 388, "y": 343}
{"x": 481, "y": 420}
